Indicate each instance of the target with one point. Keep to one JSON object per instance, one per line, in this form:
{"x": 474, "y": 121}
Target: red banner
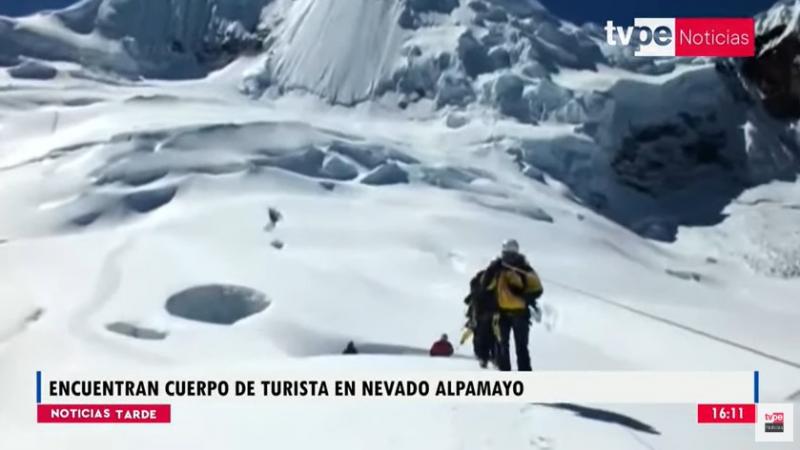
{"x": 745, "y": 413}
{"x": 715, "y": 37}
{"x": 103, "y": 414}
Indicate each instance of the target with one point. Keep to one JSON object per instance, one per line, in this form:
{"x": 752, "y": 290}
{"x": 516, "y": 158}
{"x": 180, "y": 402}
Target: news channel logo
{"x": 775, "y": 422}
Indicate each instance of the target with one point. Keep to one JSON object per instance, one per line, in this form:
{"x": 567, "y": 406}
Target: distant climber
{"x": 350, "y": 349}
{"x": 512, "y": 287}
{"x": 442, "y": 347}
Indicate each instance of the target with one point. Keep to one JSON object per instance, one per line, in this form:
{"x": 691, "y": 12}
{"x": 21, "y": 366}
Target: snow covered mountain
{"x": 668, "y": 129}
{"x": 336, "y": 170}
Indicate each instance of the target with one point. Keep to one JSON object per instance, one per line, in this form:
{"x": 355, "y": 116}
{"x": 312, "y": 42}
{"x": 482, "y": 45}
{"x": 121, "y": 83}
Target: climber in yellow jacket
{"x": 514, "y": 288}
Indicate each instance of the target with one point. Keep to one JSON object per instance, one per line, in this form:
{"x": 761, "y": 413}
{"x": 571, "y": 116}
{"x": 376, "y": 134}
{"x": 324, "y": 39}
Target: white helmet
{"x": 510, "y": 246}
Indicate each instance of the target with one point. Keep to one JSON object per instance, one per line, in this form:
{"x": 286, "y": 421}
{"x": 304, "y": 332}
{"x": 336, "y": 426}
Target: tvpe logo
{"x": 686, "y": 37}
{"x": 773, "y": 423}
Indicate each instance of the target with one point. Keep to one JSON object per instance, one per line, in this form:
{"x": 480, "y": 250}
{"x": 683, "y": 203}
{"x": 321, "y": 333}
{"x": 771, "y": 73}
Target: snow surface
{"x": 119, "y": 194}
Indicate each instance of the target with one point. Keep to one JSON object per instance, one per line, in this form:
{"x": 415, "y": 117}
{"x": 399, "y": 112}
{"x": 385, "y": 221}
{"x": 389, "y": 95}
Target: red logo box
{"x": 727, "y": 37}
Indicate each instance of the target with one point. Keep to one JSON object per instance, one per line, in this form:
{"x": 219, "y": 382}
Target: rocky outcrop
{"x": 775, "y": 72}
{"x": 663, "y": 157}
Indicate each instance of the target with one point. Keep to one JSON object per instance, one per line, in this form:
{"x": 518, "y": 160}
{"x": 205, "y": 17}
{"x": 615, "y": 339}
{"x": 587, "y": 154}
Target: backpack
{"x": 481, "y": 300}
{"x": 521, "y": 265}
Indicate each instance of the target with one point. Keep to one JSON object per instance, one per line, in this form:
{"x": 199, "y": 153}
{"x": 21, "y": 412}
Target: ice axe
{"x": 465, "y": 336}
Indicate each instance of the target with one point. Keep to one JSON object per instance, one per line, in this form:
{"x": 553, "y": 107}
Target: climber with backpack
{"x": 501, "y": 299}
{"x": 481, "y": 307}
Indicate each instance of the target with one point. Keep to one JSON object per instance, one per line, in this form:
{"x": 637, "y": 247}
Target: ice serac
{"x": 152, "y": 38}
{"x": 775, "y": 71}
{"x": 781, "y": 20}
{"x": 182, "y": 38}
{"x": 340, "y": 50}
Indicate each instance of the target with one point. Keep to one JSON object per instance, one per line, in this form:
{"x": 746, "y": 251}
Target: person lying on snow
{"x": 501, "y": 298}
{"x": 442, "y": 347}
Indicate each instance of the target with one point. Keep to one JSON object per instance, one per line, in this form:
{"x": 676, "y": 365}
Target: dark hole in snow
{"x": 278, "y": 244}
{"x": 150, "y": 200}
{"x": 136, "y": 331}
{"x": 84, "y": 220}
{"x": 328, "y": 185}
{"x": 685, "y": 275}
{"x": 216, "y": 303}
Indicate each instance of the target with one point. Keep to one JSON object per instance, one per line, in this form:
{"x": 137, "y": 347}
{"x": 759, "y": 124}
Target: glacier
{"x": 338, "y": 169}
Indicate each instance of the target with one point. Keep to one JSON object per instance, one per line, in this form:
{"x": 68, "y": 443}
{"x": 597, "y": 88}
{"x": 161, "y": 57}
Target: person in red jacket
{"x": 442, "y": 347}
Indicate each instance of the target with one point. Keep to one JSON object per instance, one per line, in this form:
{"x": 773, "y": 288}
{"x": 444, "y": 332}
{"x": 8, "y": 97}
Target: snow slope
{"x": 120, "y": 196}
